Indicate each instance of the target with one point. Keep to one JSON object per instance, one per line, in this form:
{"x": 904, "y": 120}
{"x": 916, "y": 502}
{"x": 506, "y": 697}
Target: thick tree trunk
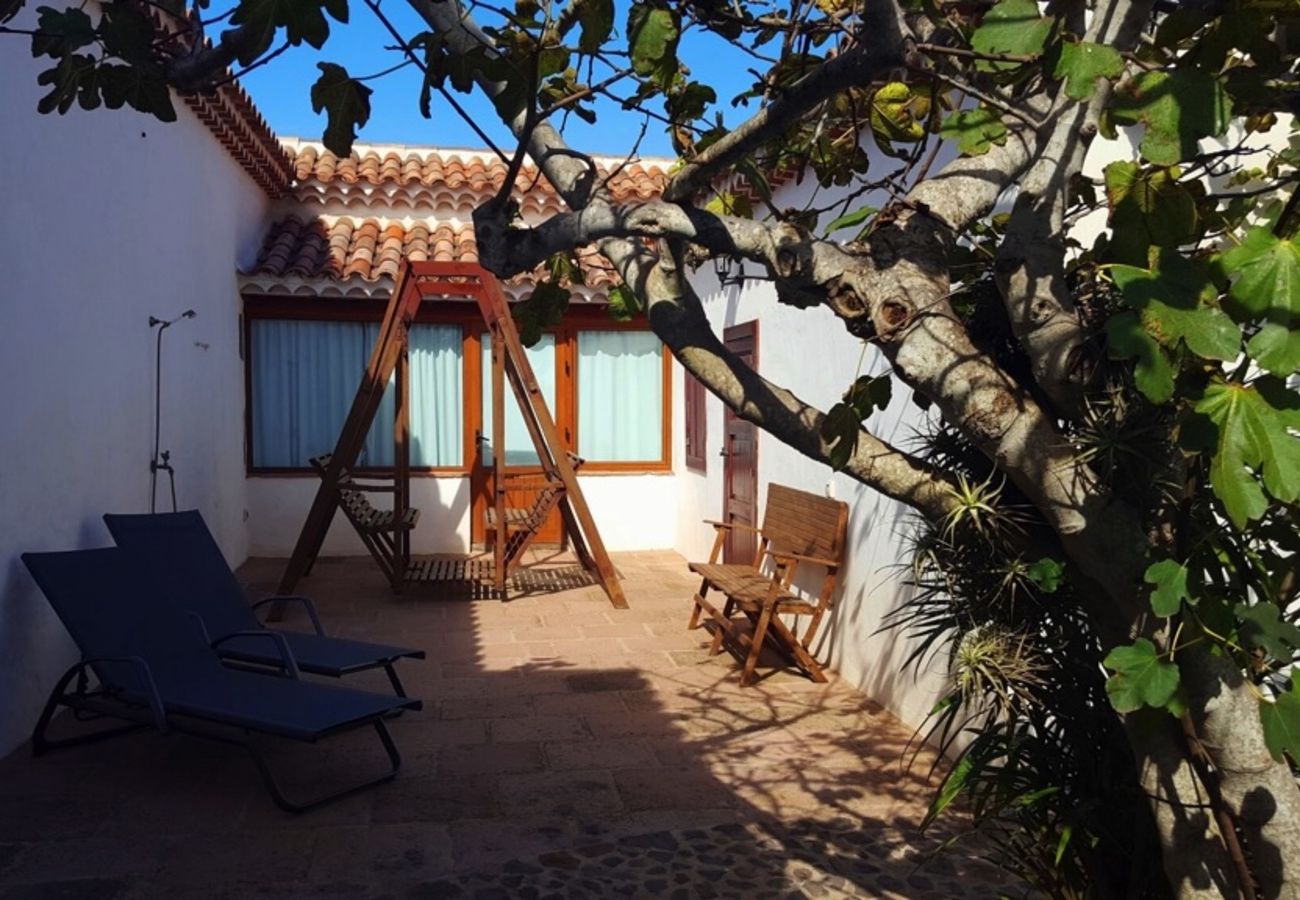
{"x": 1261, "y": 793}
{"x": 1195, "y": 859}
{"x": 895, "y": 288}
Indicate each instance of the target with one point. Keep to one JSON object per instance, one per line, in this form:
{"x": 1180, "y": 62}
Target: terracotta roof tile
{"x": 228, "y": 112}
{"x": 636, "y": 181}
{"x": 368, "y": 249}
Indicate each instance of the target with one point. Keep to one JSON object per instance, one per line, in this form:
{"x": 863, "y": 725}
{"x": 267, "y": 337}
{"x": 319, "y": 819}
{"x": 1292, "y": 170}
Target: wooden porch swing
{"x": 386, "y": 533}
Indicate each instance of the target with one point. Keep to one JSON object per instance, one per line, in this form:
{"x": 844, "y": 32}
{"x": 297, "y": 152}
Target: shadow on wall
{"x": 34, "y": 647}
{"x": 594, "y": 765}
{"x": 856, "y": 642}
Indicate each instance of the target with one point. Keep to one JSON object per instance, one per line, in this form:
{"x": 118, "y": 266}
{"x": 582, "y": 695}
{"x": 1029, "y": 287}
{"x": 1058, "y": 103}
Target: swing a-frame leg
{"x": 387, "y": 534}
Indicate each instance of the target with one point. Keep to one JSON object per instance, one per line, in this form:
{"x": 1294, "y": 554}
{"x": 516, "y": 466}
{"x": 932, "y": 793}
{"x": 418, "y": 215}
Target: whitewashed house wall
{"x": 809, "y": 352}
{"x": 108, "y": 217}
{"x": 634, "y": 511}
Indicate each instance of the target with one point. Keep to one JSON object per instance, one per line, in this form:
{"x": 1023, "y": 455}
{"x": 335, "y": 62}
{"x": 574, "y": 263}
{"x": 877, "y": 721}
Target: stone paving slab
{"x": 838, "y": 858}
{"x": 551, "y": 723}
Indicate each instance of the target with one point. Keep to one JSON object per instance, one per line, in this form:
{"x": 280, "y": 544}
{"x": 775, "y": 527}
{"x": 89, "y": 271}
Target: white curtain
{"x": 519, "y": 448}
{"x": 438, "y": 396}
{"x": 620, "y": 396}
{"x": 305, "y": 375}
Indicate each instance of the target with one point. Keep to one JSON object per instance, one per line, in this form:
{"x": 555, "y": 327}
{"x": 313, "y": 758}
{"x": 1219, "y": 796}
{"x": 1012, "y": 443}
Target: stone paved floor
{"x": 555, "y": 728}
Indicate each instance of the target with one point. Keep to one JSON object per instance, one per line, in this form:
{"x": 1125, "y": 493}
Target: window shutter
{"x": 696, "y": 427}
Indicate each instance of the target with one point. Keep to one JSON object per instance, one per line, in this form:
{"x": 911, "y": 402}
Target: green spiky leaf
{"x": 346, "y": 103}
{"x": 1276, "y": 347}
{"x": 128, "y": 34}
{"x": 974, "y": 130}
{"x": 1178, "y": 108}
{"x": 303, "y": 21}
{"x": 74, "y": 78}
{"x": 1263, "y": 627}
{"x": 1082, "y": 64}
{"x": 727, "y": 203}
{"x": 1174, "y": 301}
{"x": 623, "y": 303}
{"x": 1148, "y": 206}
{"x": 1245, "y": 427}
{"x": 1047, "y": 573}
{"x": 1170, "y": 579}
{"x": 61, "y": 32}
{"x": 840, "y": 431}
{"x": 596, "y": 18}
{"x": 952, "y": 786}
{"x": 848, "y": 220}
{"x": 1153, "y": 372}
{"x": 139, "y": 87}
{"x": 1265, "y": 273}
{"x": 651, "y": 38}
{"x": 1012, "y": 28}
{"x": 869, "y": 393}
{"x": 1281, "y": 721}
{"x": 1141, "y": 677}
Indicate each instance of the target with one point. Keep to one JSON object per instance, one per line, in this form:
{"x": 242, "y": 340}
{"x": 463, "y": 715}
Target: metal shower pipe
{"x": 161, "y": 460}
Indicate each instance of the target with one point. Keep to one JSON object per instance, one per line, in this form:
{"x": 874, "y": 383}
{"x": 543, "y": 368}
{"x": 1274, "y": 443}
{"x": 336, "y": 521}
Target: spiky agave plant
{"x": 998, "y": 666}
{"x": 1035, "y": 756}
{"x": 981, "y": 511}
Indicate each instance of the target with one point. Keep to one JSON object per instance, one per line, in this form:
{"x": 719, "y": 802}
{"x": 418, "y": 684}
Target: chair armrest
{"x": 716, "y": 524}
{"x": 305, "y": 601}
{"x": 155, "y": 699}
{"x": 287, "y": 661}
{"x": 800, "y": 557}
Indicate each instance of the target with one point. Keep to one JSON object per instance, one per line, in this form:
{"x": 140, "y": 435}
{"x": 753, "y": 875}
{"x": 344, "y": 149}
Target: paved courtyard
{"x": 565, "y": 748}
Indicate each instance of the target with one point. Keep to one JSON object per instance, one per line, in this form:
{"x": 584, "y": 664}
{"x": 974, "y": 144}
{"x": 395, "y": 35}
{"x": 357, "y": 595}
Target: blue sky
{"x": 281, "y": 90}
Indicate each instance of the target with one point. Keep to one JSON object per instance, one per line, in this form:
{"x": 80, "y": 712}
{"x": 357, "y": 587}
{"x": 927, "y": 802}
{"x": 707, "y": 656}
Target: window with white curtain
{"x": 305, "y": 375}
{"x": 519, "y": 449}
{"x": 620, "y": 396}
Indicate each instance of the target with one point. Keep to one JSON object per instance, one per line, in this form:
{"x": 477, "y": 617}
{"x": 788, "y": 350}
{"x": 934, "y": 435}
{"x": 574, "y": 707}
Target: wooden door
{"x": 740, "y": 457}
{"x": 520, "y": 455}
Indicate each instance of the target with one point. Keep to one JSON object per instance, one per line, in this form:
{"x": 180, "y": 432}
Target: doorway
{"x": 740, "y": 458}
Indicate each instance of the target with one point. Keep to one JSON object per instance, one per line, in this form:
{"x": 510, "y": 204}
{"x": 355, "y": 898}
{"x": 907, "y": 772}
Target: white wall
{"x": 634, "y": 512}
{"x": 809, "y": 352}
{"x": 278, "y": 504}
{"x": 108, "y": 218}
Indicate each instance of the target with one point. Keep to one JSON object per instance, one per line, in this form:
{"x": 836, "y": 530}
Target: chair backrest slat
{"x": 188, "y": 565}
{"x": 799, "y": 522}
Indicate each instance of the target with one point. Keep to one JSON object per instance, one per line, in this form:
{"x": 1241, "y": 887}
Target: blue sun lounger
{"x": 187, "y": 563}
{"x": 153, "y": 667}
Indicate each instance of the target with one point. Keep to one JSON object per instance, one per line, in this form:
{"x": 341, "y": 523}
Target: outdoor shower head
{"x": 165, "y": 323}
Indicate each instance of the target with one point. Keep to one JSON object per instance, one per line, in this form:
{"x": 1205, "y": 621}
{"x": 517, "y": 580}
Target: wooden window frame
{"x": 621, "y": 467}
{"x": 466, "y": 315}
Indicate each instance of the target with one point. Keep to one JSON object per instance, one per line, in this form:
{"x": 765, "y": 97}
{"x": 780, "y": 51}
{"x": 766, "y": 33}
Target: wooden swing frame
{"x": 515, "y": 529}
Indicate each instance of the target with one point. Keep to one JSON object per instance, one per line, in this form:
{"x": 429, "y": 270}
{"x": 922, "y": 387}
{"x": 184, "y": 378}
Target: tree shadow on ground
{"x": 564, "y": 747}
